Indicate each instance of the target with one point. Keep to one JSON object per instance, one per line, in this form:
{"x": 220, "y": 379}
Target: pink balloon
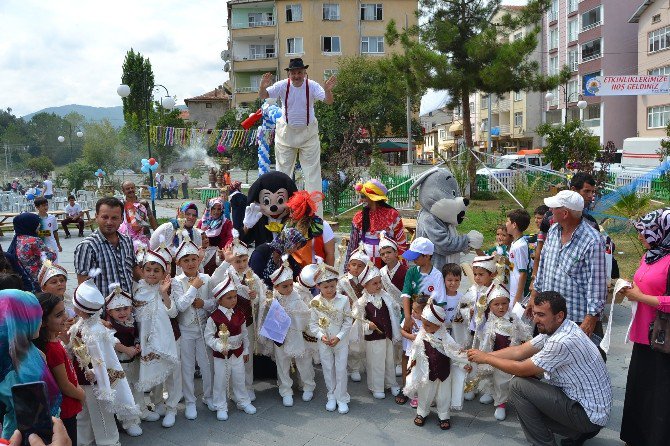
{"x": 220, "y": 148}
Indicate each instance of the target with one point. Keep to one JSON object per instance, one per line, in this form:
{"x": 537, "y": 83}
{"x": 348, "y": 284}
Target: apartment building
{"x": 265, "y": 35}
{"x": 594, "y": 38}
{"x": 653, "y": 58}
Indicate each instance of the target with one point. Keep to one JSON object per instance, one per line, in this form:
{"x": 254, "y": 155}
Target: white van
{"x": 641, "y": 154}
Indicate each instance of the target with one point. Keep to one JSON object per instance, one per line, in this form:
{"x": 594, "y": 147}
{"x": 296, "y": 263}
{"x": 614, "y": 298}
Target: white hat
{"x": 50, "y": 270}
{"x": 158, "y": 257}
{"x": 325, "y": 273}
{"x": 496, "y": 290}
{"x": 87, "y": 297}
{"x": 369, "y": 273}
{"x": 566, "y": 199}
{"x": 486, "y": 262}
{"x": 282, "y": 274}
{"x": 360, "y": 254}
{"x": 186, "y": 247}
{"x": 307, "y": 274}
{"x": 239, "y": 248}
{"x": 227, "y": 284}
{"x": 434, "y": 313}
{"x": 419, "y": 246}
{"x": 117, "y": 298}
{"x": 386, "y": 242}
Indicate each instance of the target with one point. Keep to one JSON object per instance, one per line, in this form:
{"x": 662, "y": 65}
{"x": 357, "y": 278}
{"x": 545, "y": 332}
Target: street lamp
{"x": 79, "y": 134}
{"x": 581, "y": 104}
{"x": 168, "y": 103}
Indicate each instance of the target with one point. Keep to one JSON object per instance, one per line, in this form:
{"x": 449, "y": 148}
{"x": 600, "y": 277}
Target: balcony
{"x": 246, "y": 90}
{"x": 503, "y": 105}
{"x": 591, "y": 26}
{"x": 253, "y": 24}
{"x": 504, "y": 130}
{"x": 255, "y": 64}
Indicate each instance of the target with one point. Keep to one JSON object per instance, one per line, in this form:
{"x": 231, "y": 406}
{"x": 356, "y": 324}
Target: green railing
{"x": 400, "y": 197}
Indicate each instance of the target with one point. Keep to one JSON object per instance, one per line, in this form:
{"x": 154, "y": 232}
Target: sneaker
{"x": 356, "y": 376}
{"x": 148, "y": 415}
{"x": 500, "y": 413}
{"x": 395, "y": 390}
{"x": 414, "y": 403}
{"x": 398, "y": 370}
{"x": 469, "y": 396}
{"x": 169, "y": 419}
{"x": 331, "y": 405}
{"x": 342, "y": 408}
{"x": 161, "y": 409}
{"x": 67, "y": 235}
{"x": 191, "y": 413}
{"x": 287, "y": 401}
{"x": 486, "y": 399}
{"x": 307, "y": 395}
{"x": 379, "y": 395}
{"x": 210, "y": 405}
{"x": 134, "y": 430}
{"x": 252, "y": 395}
{"x": 249, "y": 409}
{"x": 222, "y": 415}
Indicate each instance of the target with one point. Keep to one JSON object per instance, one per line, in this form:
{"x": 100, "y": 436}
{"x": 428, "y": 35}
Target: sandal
{"x": 401, "y": 398}
{"x": 419, "y": 421}
{"x": 445, "y": 425}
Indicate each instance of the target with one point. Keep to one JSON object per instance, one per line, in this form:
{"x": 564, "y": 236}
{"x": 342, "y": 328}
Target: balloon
{"x": 152, "y": 161}
{"x": 145, "y": 161}
{"x": 220, "y": 148}
{"x": 153, "y": 167}
{"x": 145, "y": 169}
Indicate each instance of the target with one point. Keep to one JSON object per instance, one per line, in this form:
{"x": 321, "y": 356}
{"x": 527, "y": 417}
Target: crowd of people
{"x": 158, "y": 305}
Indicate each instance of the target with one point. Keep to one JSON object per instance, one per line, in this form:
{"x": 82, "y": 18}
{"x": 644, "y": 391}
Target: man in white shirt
{"x": 297, "y": 129}
{"x": 48, "y": 188}
{"x": 73, "y": 215}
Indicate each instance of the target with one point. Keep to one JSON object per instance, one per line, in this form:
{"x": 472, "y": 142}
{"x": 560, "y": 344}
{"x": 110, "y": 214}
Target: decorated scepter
{"x": 341, "y": 251}
{"x": 224, "y": 334}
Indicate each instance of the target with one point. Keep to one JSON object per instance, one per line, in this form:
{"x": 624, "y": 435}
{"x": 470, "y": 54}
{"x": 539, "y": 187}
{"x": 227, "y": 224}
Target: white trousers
{"x": 291, "y": 141}
{"x": 249, "y": 365}
{"x": 173, "y": 387}
{"x": 132, "y": 370}
{"x": 380, "y": 365}
{"x": 95, "y": 426}
{"x": 229, "y": 371}
{"x": 193, "y": 348}
{"x": 334, "y": 367}
{"x": 304, "y": 366}
{"x": 437, "y": 390}
{"x": 356, "y": 358}
{"x": 501, "y": 382}
{"x": 458, "y": 376}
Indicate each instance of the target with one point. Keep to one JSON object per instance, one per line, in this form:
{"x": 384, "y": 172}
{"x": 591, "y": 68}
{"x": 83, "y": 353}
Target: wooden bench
{"x": 88, "y": 221}
{"x": 410, "y": 226}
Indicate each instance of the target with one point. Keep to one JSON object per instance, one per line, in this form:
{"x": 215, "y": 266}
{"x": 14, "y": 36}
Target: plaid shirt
{"x": 576, "y": 270}
{"x": 116, "y": 262}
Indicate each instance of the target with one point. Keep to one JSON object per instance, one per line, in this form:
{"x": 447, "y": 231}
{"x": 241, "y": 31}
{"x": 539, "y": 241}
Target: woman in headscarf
{"x": 27, "y": 250}
{"x": 267, "y": 257}
{"x": 20, "y": 361}
{"x": 319, "y": 234}
{"x": 218, "y": 229}
{"x": 376, "y": 216}
{"x": 238, "y": 203}
{"x": 648, "y": 385}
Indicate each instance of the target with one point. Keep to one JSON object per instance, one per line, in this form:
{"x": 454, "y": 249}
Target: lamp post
{"x": 581, "y": 104}
{"x": 168, "y": 103}
{"x": 79, "y": 134}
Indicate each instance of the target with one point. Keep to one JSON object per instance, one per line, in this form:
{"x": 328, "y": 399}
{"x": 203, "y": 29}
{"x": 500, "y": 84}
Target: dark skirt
{"x": 645, "y": 409}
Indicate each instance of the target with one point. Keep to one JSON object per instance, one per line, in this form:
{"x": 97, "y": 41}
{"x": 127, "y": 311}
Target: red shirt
{"x": 56, "y": 356}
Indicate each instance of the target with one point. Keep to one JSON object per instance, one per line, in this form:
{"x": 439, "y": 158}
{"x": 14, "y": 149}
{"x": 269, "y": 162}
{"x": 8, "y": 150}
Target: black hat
{"x": 295, "y": 64}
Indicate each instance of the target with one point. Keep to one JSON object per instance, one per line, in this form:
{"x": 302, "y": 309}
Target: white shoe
{"x": 287, "y": 401}
{"x": 379, "y": 395}
{"x": 356, "y": 376}
{"x": 169, "y": 419}
{"x": 222, "y": 415}
{"x": 398, "y": 370}
{"x": 331, "y": 405}
{"x": 342, "y": 408}
{"x": 210, "y": 406}
{"x": 134, "y": 430}
{"x": 486, "y": 399}
{"x": 307, "y": 395}
{"x": 249, "y": 409}
{"x": 191, "y": 413}
{"x": 500, "y": 413}
{"x": 395, "y": 390}
{"x": 148, "y": 415}
{"x": 469, "y": 396}
{"x": 161, "y": 409}
{"x": 252, "y": 395}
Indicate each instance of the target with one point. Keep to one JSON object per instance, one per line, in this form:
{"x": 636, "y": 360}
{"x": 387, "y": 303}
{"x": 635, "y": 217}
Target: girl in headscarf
{"x": 218, "y": 229}
{"x": 27, "y": 250}
{"x": 20, "y": 361}
{"x": 267, "y": 257}
{"x": 238, "y": 203}
{"x": 319, "y": 234}
{"x": 376, "y": 216}
{"x": 648, "y": 384}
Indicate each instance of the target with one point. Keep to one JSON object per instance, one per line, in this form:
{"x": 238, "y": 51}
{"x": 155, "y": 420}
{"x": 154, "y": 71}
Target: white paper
{"x": 619, "y": 285}
{"x": 518, "y": 310}
{"x": 276, "y": 323}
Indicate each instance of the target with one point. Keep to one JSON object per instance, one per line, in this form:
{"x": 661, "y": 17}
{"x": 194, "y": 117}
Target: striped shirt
{"x": 576, "y": 270}
{"x": 572, "y": 362}
{"x": 116, "y": 262}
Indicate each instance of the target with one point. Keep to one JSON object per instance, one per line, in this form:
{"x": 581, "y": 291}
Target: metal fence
{"x": 399, "y": 198}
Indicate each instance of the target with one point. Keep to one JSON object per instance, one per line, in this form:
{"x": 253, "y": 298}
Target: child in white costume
{"x": 378, "y": 316}
{"x": 154, "y": 308}
{"x": 98, "y": 371}
{"x": 303, "y": 287}
{"x": 501, "y": 330}
{"x": 226, "y": 335}
{"x": 331, "y": 321}
{"x": 430, "y": 358}
{"x": 293, "y": 347}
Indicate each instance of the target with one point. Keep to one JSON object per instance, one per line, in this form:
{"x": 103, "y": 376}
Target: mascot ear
{"x": 421, "y": 178}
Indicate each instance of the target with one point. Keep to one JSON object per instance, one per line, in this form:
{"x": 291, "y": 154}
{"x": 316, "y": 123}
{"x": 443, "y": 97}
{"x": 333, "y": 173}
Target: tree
{"x": 139, "y": 76}
{"x": 77, "y": 173}
{"x": 40, "y": 165}
{"x": 569, "y": 143}
{"x": 459, "y": 48}
{"x": 101, "y": 146}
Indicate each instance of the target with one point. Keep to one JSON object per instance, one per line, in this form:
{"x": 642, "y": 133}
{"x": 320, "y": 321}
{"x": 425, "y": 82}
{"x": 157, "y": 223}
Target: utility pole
{"x": 410, "y": 154}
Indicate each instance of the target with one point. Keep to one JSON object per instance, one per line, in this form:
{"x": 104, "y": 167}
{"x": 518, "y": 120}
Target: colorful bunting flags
{"x": 232, "y": 139}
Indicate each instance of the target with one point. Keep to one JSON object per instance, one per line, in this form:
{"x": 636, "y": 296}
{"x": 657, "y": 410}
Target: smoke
{"x": 196, "y": 151}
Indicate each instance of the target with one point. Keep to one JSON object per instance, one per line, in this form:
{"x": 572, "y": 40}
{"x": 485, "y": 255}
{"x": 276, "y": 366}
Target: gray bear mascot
{"x": 442, "y": 209}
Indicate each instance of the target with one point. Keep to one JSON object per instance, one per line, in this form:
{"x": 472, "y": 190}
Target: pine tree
{"x": 139, "y": 76}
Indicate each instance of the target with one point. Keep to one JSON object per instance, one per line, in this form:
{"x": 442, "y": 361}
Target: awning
{"x": 392, "y": 146}
{"x": 456, "y": 127}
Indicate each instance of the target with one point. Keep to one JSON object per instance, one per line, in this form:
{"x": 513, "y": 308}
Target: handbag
{"x": 659, "y": 329}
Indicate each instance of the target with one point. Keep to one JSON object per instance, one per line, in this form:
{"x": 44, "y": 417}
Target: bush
{"x": 484, "y": 195}
{"x": 77, "y": 173}
{"x": 40, "y": 165}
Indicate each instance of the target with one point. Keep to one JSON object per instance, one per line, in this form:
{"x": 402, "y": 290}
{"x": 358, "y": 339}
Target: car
{"x": 521, "y": 160}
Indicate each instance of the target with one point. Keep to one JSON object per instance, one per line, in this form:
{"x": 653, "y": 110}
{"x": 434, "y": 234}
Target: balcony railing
{"x": 591, "y": 56}
{"x": 592, "y": 25}
{"x": 258, "y": 24}
{"x": 246, "y": 89}
{"x": 504, "y": 129}
{"x": 256, "y": 56}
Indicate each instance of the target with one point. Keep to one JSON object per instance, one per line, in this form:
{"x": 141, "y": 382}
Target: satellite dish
{"x": 225, "y": 55}
{"x": 226, "y": 67}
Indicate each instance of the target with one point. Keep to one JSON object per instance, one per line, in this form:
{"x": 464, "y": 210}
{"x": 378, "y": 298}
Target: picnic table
{"x": 6, "y": 219}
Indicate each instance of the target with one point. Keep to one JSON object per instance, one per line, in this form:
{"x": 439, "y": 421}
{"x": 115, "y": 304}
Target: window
{"x": 592, "y": 112}
{"x": 260, "y": 19}
{"x": 553, "y": 12}
{"x": 330, "y": 44}
{"x": 554, "y": 116}
{"x": 591, "y": 50}
{"x": 659, "y": 39}
{"x": 331, "y": 11}
{"x": 372, "y": 44}
{"x": 255, "y": 81}
{"x": 656, "y": 18}
{"x": 518, "y": 95}
{"x": 328, "y": 73}
{"x": 294, "y": 45}
{"x": 485, "y": 125}
{"x": 573, "y": 30}
{"x": 371, "y": 11}
{"x": 518, "y": 119}
{"x": 554, "y": 102}
{"x": 443, "y": 134}
{"x": 592, "y": 18}
{"x": 573, "y": 60}
{"x": 208, "y": 105}
{"x": 573, "y": 90}
{"x": 553, "y": 66}
{"x": 658, "y": 117}
{"x": 660, "y": 71}
{"x": 517, "y": 36}
{"x": 572, "y": 5}
{"x": 261, "y": 51}
{"x": 294, "y": 13}
{"x": 553, "y": 39}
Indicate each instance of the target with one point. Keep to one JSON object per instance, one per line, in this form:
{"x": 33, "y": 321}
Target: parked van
{"x": 641, "y": 154}
{"x": 521, "y": 160}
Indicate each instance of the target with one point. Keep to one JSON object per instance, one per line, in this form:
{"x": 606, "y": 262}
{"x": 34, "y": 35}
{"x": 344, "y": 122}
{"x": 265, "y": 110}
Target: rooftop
{"x": 218, "y": 94}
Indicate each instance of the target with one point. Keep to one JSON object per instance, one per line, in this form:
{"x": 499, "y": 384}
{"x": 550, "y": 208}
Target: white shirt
{"x": 297, "y": 100}
{"x": 50, "y": 224}
{"x": 48, "y": 187}
{"x": 72, "y": 211}
{"x": 519, "y": 257}
{"x": 339, "y": 319}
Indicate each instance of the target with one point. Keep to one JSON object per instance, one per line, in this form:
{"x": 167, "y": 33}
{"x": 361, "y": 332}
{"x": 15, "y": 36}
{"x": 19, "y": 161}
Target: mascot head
{"x": 272, "y": 191}
{"x": 439, "y": 195}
